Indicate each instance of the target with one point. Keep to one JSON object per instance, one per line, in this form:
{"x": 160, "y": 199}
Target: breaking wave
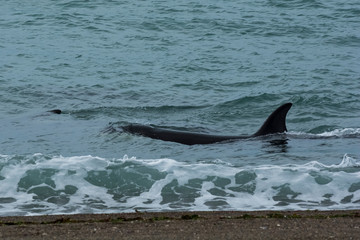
{"x": 40, "y": 184}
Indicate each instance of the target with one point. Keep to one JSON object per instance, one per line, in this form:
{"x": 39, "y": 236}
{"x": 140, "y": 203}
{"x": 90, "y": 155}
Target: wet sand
{"x": 187, "y": 225}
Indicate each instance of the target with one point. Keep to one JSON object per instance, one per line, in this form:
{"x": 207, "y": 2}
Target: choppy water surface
{"x": 218, "y": 67}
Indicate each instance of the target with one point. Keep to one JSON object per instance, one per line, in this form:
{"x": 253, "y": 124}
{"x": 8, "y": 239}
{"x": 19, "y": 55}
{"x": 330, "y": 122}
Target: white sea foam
{"x": 341, "y": 132}
{"x": 345, "y": 132}
{"x": 83, "y": 184}
{"x": 348, "y": 161}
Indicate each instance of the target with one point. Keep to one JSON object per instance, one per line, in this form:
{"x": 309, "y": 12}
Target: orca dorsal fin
{"x": 276, "y": 122}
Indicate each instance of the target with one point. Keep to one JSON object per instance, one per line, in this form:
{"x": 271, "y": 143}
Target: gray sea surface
{"x": 217, "y": 67}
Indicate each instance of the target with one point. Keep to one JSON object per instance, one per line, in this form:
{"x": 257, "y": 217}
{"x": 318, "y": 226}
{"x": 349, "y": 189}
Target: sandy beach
{"x": 187, "y": 225}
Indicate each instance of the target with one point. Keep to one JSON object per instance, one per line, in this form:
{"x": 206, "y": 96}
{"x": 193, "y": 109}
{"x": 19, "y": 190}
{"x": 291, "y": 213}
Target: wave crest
{"x": 336, "y": 133}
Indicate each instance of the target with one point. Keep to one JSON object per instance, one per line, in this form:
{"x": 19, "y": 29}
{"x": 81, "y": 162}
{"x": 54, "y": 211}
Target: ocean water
{"x": 218, "y": 67}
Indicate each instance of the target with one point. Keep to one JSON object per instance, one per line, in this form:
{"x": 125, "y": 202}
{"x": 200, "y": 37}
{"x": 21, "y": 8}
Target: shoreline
{"x": 186, "y": 225}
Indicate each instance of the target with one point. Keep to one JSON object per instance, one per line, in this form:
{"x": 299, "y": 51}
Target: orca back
{"x": 275, "y": 123}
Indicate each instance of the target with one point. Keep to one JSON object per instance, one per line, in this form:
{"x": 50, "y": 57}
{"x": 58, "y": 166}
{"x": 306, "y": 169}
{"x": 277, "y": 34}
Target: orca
{"x": 275, "y": 123}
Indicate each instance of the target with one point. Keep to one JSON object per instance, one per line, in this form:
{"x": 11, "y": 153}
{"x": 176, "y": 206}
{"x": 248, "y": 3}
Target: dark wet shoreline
{"x": 186, "y": 225}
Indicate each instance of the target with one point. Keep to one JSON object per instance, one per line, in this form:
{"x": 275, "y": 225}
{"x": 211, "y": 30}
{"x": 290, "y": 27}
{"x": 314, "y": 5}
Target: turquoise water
{"x": 218, "y": 67}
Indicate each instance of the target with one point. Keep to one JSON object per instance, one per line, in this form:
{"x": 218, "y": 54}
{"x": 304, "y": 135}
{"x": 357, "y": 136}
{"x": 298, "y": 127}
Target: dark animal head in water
{"x": 56, "y": 111}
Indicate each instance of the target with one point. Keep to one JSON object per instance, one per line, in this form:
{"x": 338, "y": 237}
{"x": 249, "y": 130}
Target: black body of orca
{"x": 275, "y": 123}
